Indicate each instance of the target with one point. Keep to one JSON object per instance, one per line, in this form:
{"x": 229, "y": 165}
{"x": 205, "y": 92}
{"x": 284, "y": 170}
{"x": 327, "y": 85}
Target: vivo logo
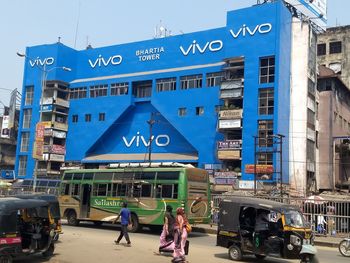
{"x": 40, "y": 62}
{"x": 161, "y": 140}
{"x": 212, "y": 46}
{"x": 101, "y": 61}
{"x": 245, "y": 30}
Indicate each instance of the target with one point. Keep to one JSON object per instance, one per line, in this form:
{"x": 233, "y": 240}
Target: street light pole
{"x": 43, "y": 80}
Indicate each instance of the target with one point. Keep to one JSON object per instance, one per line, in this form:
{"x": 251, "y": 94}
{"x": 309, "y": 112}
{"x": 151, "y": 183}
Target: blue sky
{"x": 108, "y": 22}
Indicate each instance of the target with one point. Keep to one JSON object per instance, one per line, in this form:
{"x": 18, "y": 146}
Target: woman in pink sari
{"x": 167, "y": 235}
{"x": 180, "y": 236}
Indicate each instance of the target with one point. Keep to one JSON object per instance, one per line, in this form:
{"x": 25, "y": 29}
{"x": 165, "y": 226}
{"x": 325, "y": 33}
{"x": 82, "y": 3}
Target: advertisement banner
{"x": 38, "y": 150}
{"x": 315, "y": 10}
{"x": 231, "y": 155}
{"x": 5, "y": 131}
{"x": 12, "y": 109}
{"x": 260, "y": 168}
{"x": 59, "y": 149}
{"x": 227, "y": 174}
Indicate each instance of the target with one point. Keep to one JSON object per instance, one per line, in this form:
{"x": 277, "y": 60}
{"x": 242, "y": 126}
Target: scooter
{"x": 344, "y": 247}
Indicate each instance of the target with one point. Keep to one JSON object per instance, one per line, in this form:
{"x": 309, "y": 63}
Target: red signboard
{"x": 260, "y": 169}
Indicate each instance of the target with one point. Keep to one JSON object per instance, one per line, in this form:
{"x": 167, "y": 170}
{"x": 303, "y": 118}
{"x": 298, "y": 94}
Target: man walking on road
{"x": 125, "y": 221}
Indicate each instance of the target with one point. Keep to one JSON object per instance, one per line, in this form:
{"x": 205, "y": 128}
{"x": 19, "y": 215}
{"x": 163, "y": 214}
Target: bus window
{"x": 168, "y": 175}
{"x": 145, "y": 175}
{"x": 67, "y": 176}
{"x": 167, "y": 191}
{"x": 65, "y": 189}
{"x": 100, "y": 189}
{"x": 104, "y": 176}
{"x": 146, "y": 190}
{"x": 123, "y": 189}
{"x": 88, "y": 176}
{"x": 77, "y": 176}
{"x": 75, "y": 189}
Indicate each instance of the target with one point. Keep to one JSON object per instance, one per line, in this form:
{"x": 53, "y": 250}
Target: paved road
{"x": 87, "y": 244}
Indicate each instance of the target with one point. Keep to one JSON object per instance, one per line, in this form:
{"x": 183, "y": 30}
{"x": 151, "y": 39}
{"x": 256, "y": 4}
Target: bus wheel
{"x": 235, "y": 253}
{"x": 72, "y": 219}
{"x": 134, "y": 227}
{"x": 5, "y": 259}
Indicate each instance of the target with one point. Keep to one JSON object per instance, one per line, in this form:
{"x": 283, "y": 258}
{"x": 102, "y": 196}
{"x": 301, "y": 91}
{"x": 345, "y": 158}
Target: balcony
{"x": 60, "y": 126}
{"x": 232, "y": 88}
{"x": 53, "y": 133}
{"x": 230, "y": 114}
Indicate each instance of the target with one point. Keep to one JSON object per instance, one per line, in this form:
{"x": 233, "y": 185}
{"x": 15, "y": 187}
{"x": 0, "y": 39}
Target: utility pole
{"x": 150, "y": 122}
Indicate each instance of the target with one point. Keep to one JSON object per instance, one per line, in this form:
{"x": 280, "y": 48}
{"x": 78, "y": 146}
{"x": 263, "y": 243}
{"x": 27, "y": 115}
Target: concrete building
{"x": 333, "y": 51}
{"x": 334, "y": 131}
{"x": 198, "y": 98}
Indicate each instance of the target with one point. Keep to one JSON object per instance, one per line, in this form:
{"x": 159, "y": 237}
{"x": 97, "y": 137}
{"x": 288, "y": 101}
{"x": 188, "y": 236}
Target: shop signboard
{"x": 230, "y": 114}
{"x": 260, "y": 168}
{"x": 229, "y": 144}
{"x": 229, "y": 155}
{"x": 226, "y": 124}
{"x": 5, "y": 131}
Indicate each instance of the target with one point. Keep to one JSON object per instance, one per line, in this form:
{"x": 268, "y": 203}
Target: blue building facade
{"x": 181, "y": 91}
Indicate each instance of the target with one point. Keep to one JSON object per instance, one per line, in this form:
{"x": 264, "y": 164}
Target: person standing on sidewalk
{"x": 125, "y": 221}
{"x": 180, "y": 236}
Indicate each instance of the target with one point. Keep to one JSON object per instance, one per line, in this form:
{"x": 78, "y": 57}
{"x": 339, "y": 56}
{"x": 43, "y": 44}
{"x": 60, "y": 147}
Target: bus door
{"x": 85, "y": 200}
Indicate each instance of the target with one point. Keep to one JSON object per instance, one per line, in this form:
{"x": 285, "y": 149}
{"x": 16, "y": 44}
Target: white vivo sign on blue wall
{"x": 41, "y": 62}
{"x": 161, "y": 140}
{"x": 245, "y": 30}
{"x": 101, "y": 61}
{"x": 211, "y": 46}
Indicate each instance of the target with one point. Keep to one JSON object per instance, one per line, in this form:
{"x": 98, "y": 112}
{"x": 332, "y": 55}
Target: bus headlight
{"x": 295, "y": 240}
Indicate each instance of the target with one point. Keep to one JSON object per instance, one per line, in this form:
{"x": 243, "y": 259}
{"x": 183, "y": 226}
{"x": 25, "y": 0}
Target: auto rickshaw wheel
{"x": 235, "y": 253}
{"x": 49, "y": 252}
{"x": 72, "y": 219}
{"x": 308, "y": 258}
{"x": 5, "y": 259}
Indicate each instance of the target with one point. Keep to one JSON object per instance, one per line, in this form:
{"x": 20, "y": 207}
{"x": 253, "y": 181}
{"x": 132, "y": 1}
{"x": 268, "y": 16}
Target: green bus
{"x": 97, "y": 194}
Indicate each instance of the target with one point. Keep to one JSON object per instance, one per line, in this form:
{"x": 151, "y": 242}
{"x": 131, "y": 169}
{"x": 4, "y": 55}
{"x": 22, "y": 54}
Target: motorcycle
{"x": 344, "y": 247}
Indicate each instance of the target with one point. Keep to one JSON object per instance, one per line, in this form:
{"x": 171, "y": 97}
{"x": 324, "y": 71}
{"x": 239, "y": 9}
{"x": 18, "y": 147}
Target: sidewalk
{"x": 319, "y": 241}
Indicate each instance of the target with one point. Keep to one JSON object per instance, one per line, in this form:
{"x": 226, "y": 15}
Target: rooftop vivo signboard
{"x": 315, "y": 10}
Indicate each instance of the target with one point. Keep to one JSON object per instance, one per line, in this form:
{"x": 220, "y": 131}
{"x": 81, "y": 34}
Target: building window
{"x": 310, "y": 150}
{"x": 265, "y": 158}
{"x": 22, "y": 167}
{"x": 101, "y": 116}
{"x": 142, "y": 89}
{"x": 77, "y": 93}
{"x": 24, "y": 141}
{"x": 87, "y": 117}
{"x": 182, "y": 111}
{"x": 214, "y": 79}
{"x": 75, "y": 118}
{"x": 191, "y": 82}
{"x": 321, "y": 49}
{"x": 265, "y": 131}
{"x": 98, "y": 91}
{"x": 311, "y": 118}
{"x": 266, "y": 101}
{"x": 27, "y": 118}
{"x": 199, "y": 111}
{"x": 267, "y": 70}
{"x": 119, "y": 88}
{"x": 335, "y": 47}
{"x": 167, "y": 84}
{"x": 29, "y": 95}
